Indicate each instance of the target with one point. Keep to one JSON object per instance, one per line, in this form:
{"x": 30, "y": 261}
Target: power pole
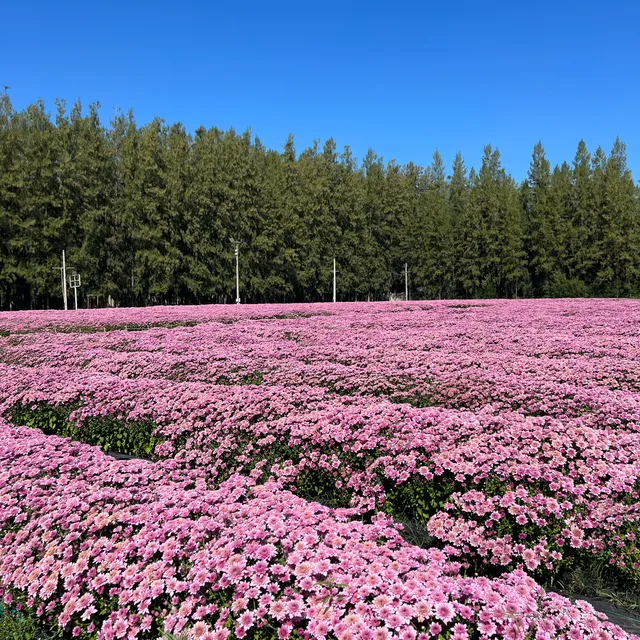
{"x": 237, "y": 277}
{"x": 334, "y": 279}
{"x": 64, "y": 281}
{"x": 75, "y": 283}
{"x": 406, "y": 281}
{"x": 236, "y": 244}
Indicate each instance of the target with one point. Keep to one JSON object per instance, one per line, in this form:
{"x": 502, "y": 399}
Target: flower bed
{"x": 499, "y": 488}
{"x": 508, "y": 431}
{"x": 126, "y": 549}
{"x": 560, "y": 358}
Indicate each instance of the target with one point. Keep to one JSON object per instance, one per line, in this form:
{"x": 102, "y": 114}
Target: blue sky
{"x": 402, "y": 77}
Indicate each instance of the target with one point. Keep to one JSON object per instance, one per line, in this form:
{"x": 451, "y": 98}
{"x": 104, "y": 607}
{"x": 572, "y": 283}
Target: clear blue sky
{"x": 402, "y": 77}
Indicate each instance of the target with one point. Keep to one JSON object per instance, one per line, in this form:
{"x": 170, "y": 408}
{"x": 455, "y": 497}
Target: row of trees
{"x": 145, "y": 214}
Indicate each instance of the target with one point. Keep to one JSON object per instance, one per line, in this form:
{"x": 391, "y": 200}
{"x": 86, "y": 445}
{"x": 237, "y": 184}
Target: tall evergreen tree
{"x": 207, "y": 236}
{"x": 376, "y": 239}
{"x": 618, "y": 245}
{"x": 539, "y": 233}
{"x": 433, "y": 255}
{"x": 580, "y": 229}
{"x": 471, "y": 246}
{"x": 146, "y": 215}
{"x": 38, "y": 227}
{"x": 459, "y": 208}
{"x": 595, "y": 233}
{"x": 565, "y": 281}
{"x": 9, "y": 147}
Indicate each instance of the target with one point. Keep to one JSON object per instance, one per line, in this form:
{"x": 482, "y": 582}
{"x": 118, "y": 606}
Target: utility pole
{"x": 64, "y": 281}
{"x": 237, "y": 277}
{"x": 75, "y": 283}
{"x": 334, "y": 279}
{"x": 236, "y": 244}
{"x": 63, "y": 278}
{"x": 406, "y": 281}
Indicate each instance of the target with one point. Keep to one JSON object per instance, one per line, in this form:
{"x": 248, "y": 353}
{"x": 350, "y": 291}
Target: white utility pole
{"x": 236, "y": 243}
{"x": 237, "y": 277}
{"x": 74, "y": 282}
{"x": 406, "y": 281}
{"x": 334, "y": 279}
{"x": 64, "y": 281}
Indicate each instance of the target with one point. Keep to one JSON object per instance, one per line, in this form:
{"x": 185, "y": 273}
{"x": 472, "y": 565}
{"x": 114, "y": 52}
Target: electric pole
{"x": 236, "y": 244}
{"x": 237, "y": 277}
{"x": 406, "y": 281}
{"x": 75, "y": 283}
{"x": 64, "y": 280}
{"x": 334, "y": 279}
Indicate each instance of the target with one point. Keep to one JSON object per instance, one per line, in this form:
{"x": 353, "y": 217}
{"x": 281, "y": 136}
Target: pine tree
{"x": 289, "y": 223}
{"x": 38, "y": 227}
{"x": 565, "y": 281}
{"x": 151, "y": 231}
{"x": 580, "y": 227}
{"x": 471, "y": 245}
{"x": 433, "y": 255}
{"x": 119, "y": 279}
{"x": 617, "y": 251}
{"x": 348, "y": 205}
{"x": 376, "y": 237}
{"x": 487, "y": 204}
{"x": 513, "y": 277}
{"x": 540, "y": 239}
{"x": 8, "y": 202}
{"x": 211, "y": 264}
{"x": 88, "y": 204}
{"x": 459, "y": 208}
{"x": 398, "y": 200}
{"x": 598, "y": 282}
{"x": 178, "y": 252}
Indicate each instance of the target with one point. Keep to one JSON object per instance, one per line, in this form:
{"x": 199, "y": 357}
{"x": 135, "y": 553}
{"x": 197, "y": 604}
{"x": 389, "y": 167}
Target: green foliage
{"x": 134, "y": 438}
{"x": 24, "y": 625}
{"x": 145, "y": 214}
{"x": 319, "y": 485}
{"x": 540, "y": 223}
{"x": 416, "y": 499}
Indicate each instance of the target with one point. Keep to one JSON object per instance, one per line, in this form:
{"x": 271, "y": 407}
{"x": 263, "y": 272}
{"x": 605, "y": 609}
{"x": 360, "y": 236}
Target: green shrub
{"x": 133, "y": 438}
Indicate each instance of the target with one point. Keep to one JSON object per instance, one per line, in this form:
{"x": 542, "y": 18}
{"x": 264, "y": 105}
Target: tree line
{"x": 146, "y": 213}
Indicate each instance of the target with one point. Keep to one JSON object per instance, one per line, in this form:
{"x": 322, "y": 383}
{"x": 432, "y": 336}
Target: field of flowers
{"x": 354, "y": 471}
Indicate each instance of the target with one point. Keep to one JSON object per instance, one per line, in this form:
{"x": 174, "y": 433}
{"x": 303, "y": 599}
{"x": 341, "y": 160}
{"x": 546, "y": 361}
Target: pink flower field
{"x": 354, "y": 471}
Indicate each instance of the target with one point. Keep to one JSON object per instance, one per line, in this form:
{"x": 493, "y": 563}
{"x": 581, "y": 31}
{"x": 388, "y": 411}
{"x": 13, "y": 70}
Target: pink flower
{"x": 423, "y": 610}
{"x": 119, "y": 628}
{"x": 294, "y": 608}
{"x": 246, "y": 619}
{"x": 445, "y": 611}
{"x": 408, "y": 633}
{"x": 199, "y": 629}
{"x": 381, "y": 633}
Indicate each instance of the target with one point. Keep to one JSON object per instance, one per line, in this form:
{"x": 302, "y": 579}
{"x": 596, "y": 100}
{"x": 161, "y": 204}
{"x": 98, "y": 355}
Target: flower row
{"x": 118, "y": 549}
{"x": 500, "y": 488}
